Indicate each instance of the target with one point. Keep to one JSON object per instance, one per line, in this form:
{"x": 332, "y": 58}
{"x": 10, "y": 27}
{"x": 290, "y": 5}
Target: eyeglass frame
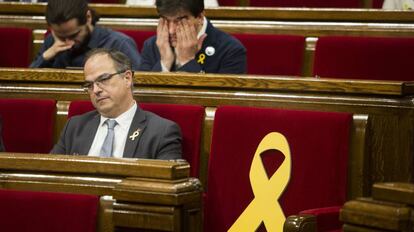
{"x": 89, "y": 85}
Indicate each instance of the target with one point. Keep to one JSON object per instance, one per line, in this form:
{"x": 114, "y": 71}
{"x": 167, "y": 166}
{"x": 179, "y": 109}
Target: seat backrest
{"x": 307, "y": 3}
{"x": 319, "y": 150}
{"x": 15, "y": 47}
{"x": 373, "y": 58}
{"x": 138, "y": 36}
{"x": 28, "y": 124}
{"x": 106, "y": 1}
{"x": 273, "y": 54}
{"x": 47, "y": 212}
{"x": 228, "y": 2}
{"x": 377, "y": 4}
{"x": 188, "y": 117}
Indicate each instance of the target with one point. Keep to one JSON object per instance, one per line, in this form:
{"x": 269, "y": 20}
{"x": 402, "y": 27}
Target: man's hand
{"x": 163, "y": 44}
{"x": 57, "y": 47}
{"x": 187, "y": 43}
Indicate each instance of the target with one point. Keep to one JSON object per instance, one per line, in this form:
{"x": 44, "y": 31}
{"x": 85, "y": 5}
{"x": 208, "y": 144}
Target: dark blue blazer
{"x": 229, "y": 55}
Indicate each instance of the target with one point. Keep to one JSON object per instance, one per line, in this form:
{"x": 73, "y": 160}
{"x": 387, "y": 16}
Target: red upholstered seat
{"x": 188, "y": 117}
{"x": 273, "y": 54}
{"x": 16, "y": 47}
{"x": 319, "y": 151}
{"x": 377, "y": 4}
{"x": 28, "y": 124}
{"x": 307, "y": 3}
{"x": 373, "y": 58}
{"x": 47, "y": 212}
{"x": 138, "y": 36}
{"x": 229, "y": 2}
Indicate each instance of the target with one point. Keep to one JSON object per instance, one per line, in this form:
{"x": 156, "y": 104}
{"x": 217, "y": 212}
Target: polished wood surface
{"x": 159, "y": 192}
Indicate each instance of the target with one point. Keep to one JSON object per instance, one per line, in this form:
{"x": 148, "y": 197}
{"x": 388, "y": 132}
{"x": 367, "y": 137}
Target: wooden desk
{"x": 142, "y": 194}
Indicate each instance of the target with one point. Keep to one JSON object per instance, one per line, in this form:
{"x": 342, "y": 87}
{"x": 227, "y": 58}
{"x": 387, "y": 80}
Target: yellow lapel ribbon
{"x": 201, "y": 58}
{"x": 265, "y": 205}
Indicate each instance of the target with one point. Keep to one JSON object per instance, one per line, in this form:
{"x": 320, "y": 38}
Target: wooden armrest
{"x": 302, "y": 223}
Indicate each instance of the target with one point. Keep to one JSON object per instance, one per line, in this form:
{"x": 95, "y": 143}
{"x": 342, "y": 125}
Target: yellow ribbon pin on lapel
{"x": 201, "y": 58}
{"x": 265, "y": 206}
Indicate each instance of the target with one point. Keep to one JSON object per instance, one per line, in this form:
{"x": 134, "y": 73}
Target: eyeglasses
{"x": 101, "y": 81}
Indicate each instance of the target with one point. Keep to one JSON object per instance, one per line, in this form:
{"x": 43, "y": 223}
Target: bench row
{"x": 315, "y": 150}
{"x": 373, "y": 58}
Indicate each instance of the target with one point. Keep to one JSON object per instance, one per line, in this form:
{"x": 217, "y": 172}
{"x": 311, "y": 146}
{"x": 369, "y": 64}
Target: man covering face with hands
{"x": 187, "y": 41}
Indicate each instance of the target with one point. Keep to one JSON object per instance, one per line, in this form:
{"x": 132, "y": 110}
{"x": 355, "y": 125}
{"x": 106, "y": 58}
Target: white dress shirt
{"x": 398, "y": 5}
{"x": 121, "y": 133}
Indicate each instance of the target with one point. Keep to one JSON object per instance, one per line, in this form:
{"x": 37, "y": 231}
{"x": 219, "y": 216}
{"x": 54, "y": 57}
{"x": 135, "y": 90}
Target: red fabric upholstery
{"x": 138, "y": 36}
{"x": 105, "y": 1}
{"x": 16, "y": 47}
{"x": 377, "y": 4}
{"x": 47, "y": 212}
{"x": 228, "y": 2}
{"x": 273, "y": 54}
{"x": 188, "y": 117}
{"x": 319, "y": 151}
{"x": 307, "y": 3}
{"x": 327, "y": 219}
{"x": 372, "y": 58}
{"x": 28, "y": 124}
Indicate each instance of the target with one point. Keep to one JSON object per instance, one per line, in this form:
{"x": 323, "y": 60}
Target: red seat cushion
{"x": 307, "y": 3}
{"x": 319, "y": 151}
{"x": 188, "y": 117}
{"x": 228, "y": 2}
{"x": 138, "y": 36}
{"x": 28, "y": 124}
{"x": 16, "y": 47}
{"x": 273, "y": 54}
{"x": 46, "y": 212}
{"x": 373, "y": 58}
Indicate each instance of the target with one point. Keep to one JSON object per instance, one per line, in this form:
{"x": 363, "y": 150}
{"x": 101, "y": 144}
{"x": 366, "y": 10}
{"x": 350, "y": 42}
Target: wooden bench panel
{"x": 160, "y": 191}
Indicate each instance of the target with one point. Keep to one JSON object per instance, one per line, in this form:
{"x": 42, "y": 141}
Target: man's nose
{"x": 96, "y": 88}
{"x": 172, "y": 27}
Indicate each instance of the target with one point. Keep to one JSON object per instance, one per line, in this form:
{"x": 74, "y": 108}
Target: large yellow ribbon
{"x": 265, "y": 206}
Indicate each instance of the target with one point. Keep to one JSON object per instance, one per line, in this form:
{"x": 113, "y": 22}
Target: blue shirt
{"x": 100, "y": 38}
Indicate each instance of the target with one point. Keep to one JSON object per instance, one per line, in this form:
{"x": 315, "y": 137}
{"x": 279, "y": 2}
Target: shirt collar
{"x": 203, "y": 28}
{"x": 123, "y": 120}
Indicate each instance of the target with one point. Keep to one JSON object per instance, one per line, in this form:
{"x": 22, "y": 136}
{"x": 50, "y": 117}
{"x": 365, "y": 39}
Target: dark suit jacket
{"x": 229, "y": 56}
{"x": 158, "y": 138}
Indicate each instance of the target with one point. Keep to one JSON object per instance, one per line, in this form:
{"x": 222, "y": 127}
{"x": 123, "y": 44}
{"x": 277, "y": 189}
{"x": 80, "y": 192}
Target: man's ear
{"x": 200, "y": 18}
{"x": 129, "y": 77}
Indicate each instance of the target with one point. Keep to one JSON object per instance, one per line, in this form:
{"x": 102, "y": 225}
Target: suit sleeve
{"x": 150, "y": 60}
{"x": 60, "y": 147}
{"x": 39, "y": 62}
{"x": 170, "y": 143}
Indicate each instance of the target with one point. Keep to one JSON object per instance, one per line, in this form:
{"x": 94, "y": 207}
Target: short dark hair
{"x": 120, "y": 60}
{"x": 61, "y": 11}
{"x": 172, "y": 7}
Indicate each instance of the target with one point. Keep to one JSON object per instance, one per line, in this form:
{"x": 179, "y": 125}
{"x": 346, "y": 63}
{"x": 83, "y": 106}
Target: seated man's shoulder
{"x": 158, "y": 121}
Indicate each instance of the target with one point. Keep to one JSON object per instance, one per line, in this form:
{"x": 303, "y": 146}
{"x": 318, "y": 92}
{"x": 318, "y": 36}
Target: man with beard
{"x": 74, "y": 33}
{"x": 187, "y": 41}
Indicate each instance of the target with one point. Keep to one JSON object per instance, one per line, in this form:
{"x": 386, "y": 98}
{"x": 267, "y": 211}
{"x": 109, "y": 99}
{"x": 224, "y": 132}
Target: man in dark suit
{"x": 187, "y": 41}
{"x": 118, "y": 127}
{"x": 74, "y": 32}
